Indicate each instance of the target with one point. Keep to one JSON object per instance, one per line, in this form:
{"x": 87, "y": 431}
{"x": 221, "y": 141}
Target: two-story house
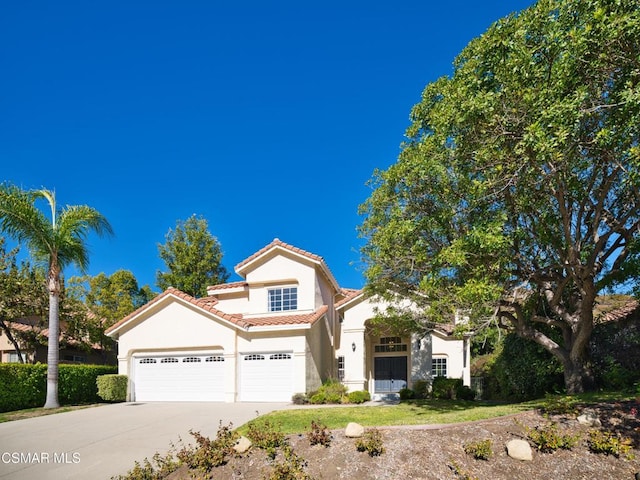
{"x": 284, "y": 329}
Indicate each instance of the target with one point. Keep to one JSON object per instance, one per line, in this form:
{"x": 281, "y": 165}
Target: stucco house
{"x": 31, "y": 335}
{"x": 284, "y": 329}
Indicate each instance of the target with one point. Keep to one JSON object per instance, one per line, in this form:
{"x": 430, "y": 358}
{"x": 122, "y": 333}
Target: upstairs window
{"x": 281, "y": 299}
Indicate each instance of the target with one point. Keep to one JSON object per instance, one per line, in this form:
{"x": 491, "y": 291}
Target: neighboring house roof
{"x": 237, "y": 319}
{"x": 620, "y": 313}
{"x": 34, "y": 324}
{"x": 277, "y": 244}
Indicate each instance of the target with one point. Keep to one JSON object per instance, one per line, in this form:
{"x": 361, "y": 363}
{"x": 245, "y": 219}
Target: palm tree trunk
{"x": 53, "y": 352}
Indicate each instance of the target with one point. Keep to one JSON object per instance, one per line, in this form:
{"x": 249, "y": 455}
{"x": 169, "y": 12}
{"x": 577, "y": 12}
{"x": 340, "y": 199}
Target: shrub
{"x": 331, "y": 391}
{"x": 371, "y": 442}
{"x": 609, "y": 444}
{"x": 480, "y": 450}
{"x": 421, "y": 388}
{"x": 77, "y": 383}
{"x": 548, "y": 439}
{"x": 158, "y": 468}
{"x": 406, "y": 394}
{"x": 525, "y": 370}
{"x": 445, "y": 388}
{"x": 112, "y": 388}
{"x": 359, "y": 396}
{"x": 24, "y": 385}
{"x": 299, "y": 399}
{"x": 209, "y": 453}
{"x": 318, "y": 434}
{"x": 265, "y": 435}
{"x": 463, "y": 392}
{"x": 290, "y": 468}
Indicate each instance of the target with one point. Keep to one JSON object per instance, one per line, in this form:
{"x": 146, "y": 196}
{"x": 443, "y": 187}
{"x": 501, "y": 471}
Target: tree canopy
{"x": 193, "y": 258}
{"x": 516, "y": 194}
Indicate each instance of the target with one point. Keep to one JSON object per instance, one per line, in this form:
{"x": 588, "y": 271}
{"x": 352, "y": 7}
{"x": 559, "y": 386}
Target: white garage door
{"x": 179, "y": 377}
{"x": 266, "y": 377}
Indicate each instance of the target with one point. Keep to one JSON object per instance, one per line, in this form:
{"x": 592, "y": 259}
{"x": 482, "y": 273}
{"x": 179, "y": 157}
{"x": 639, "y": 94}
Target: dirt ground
{"x": 436, "y": 452}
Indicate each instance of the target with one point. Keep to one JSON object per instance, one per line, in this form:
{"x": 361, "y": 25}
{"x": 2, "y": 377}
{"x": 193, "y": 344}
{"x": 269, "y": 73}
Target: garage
{"x": 266, "y": 377}
{"x": 184, "y": 377}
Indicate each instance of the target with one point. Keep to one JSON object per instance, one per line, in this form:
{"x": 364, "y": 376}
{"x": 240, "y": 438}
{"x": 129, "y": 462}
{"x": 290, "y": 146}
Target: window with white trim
{"x": 439, "y": 366}
{"x": 148, "y": 360}
{"x": 282, "y": 299}
{"x": 280, "y": 356}
{"x": 169, "y": 360}
{"x": 191, "y": 360}
{"x": 217, "y": 358}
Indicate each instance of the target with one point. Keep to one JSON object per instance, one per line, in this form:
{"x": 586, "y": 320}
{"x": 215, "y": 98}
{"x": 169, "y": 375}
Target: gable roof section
{"x": 277, "y": 244}
{"x": 351, "y": 296}
{"x": 208, "y": 305}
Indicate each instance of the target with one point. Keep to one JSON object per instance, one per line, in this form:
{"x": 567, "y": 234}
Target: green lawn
{"x": 419, "y": 412}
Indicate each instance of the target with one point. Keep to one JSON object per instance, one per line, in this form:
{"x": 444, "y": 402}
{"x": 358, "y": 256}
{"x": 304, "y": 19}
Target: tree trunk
{"x": 53, "y": 352}
{"x": 577, "y": 376}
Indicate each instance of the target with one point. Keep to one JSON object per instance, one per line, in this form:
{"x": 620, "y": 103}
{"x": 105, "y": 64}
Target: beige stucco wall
{"x": 282, "y": 271}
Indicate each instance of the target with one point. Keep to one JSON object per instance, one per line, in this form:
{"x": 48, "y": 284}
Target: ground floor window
{"x": 341, "y": 368}
{"x": 439, "y": 366}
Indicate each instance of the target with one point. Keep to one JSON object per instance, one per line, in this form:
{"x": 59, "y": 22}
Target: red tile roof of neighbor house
{"x": 222, "y": 286}
{"x": 207, "y": 304}
{"x": 33, "y": 325}
{"x": 349, "y": 294}
{"x": 619, "y": 313}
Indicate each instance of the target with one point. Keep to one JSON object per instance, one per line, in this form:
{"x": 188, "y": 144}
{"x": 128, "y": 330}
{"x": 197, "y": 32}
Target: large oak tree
{"x": 516, "y": 194}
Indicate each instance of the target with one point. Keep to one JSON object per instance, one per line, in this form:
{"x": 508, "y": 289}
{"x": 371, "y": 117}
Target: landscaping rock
{"x": 519, "y": 449}
{"x": 243, "y": 445}
{"x": 354, "y": 430}
{"x": 589, "y": 419}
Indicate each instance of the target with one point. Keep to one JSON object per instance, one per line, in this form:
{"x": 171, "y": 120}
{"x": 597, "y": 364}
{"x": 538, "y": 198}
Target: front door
{"x": 390, "y": 374}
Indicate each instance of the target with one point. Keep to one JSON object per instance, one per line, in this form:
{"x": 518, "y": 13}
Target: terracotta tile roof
{"x": 32, "y": 325}
{"x": 620, "y": 313}
{"x": 207, "y": 304}
{"x": 222, "y": 286}
{"x": 278, "y": 243}
{"x": 304, "y": 318}
{"x": 349, "y": 294}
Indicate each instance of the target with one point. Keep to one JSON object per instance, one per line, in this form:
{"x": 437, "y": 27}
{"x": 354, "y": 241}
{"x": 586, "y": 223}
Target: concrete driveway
{"x": 103, "y": 441}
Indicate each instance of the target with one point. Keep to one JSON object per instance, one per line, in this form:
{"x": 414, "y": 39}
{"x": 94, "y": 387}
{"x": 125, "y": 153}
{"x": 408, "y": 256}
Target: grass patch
{"x": 41, "y": 412}
{"x": 415, "y": 412}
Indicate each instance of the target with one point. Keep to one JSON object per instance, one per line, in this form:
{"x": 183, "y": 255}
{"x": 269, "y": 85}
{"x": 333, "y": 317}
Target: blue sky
{"x": 265, "y": 118}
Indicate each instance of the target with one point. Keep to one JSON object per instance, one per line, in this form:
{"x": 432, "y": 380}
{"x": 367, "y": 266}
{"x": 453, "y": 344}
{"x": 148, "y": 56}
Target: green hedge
{"x": 24, "y": 385}
{"x": 112, "y": 388}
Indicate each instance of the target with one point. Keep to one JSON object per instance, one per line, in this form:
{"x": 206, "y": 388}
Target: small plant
{"x": 609, "y": 444}
{"x": 318, "y": 434}
{"x": 480, "y": 450}
{"x": 158, "y": 468}
{"x": 359, "y": 396}
{"x": 209, "y": 453}
{"x": 459, "y": 473}
{"x": 371, "y": 442}
{"x": 290, "y": 468}
{"x": 548, "y": 439}
{"x": 266, "y": 435}
{"x": 559, "y": 405}
{"x": 112, "y": 388}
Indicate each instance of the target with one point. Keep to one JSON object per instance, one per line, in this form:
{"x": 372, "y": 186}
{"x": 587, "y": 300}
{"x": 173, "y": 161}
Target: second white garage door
{"x": 266, "y": 377}
{"x": 179, "y": 377}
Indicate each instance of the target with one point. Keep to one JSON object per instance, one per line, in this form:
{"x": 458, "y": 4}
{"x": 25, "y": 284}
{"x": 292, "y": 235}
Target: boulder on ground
{"x": 519, "y": 449}
{"x": 354, "y": 430}
{"x": 242, "y": 445}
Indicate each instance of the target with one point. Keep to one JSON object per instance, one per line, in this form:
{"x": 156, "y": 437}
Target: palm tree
{"x": 57, "y": 243}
